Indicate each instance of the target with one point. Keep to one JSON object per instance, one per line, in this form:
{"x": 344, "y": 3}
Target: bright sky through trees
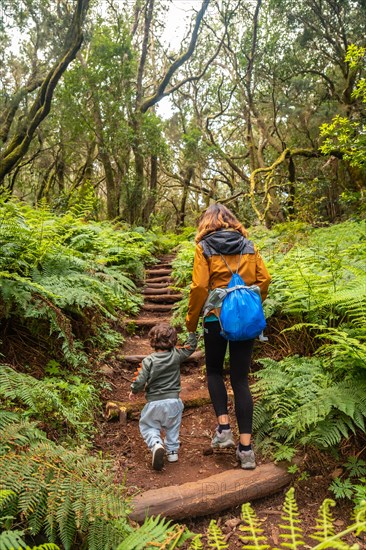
{"x": 178, "y": 17}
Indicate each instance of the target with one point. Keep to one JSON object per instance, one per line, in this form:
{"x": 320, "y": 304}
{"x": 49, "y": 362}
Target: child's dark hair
{"x": 163, "y": 336}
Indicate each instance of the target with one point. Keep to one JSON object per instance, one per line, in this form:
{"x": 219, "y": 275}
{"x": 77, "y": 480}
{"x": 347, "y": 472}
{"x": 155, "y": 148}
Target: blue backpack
{"x": 241, "y": 316}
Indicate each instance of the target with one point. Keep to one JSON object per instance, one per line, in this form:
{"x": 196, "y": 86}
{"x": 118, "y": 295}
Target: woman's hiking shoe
{"x": 158, "y": 453}
{"x": 222, "y": 440}
{"x": 172, "y": 456}
{"x": 246, "y": 459}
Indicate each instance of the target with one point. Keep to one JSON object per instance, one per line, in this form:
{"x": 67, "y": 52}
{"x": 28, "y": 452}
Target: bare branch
{"x": 152, "y": 100}
{"x": 41, "y": 106}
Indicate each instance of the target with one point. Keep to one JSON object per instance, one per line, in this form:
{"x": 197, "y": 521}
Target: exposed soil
{"x": 121, "y": 441}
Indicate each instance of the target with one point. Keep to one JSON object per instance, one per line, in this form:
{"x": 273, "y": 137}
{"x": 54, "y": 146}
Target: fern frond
{"x": 16, "y": 432}
{"x": 48, "y": 397}
{"x": 156, "y": 532}
{"x": 46, "y": 546}
{"x": 6, "y": 497}
{"x": 9, "y": 540}
{"x": 65, "y": 494}
{"x": 334, "y": 542}
{"x": 215, "y": 537}
{"x": 256, "y": 541}
{"x": 196, "y": 543}
{"x": 293, "y": 537}
{"x": 324, "y": 522}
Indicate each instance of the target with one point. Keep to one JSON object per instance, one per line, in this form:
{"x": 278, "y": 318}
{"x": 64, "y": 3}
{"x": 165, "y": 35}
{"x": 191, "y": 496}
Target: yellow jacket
{"x": 210, "y": 271}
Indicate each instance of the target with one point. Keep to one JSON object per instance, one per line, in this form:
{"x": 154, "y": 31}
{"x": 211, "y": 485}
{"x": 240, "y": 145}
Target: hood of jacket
{"x": 226, "y": 242}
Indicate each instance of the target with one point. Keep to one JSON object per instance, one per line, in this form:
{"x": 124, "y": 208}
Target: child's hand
{"x": 132, "y": 396}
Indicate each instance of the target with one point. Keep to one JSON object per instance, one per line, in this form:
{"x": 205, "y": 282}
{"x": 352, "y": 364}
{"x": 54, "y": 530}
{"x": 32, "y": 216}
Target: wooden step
{"x": 162, "y": 279}
{"x": 158, "y": 307}
{"x": 148, "y": 291}
{"x": 165, "y": 265}
{"x": 164, "y": 298}
{"x": 148, "y": 322}
{"x": 134, "y": 360}
{"x": 162, "y": 284}
{"x": 158, "y": 272}
{"x": 196, "y": 399}
{"x": 210, "y": 495}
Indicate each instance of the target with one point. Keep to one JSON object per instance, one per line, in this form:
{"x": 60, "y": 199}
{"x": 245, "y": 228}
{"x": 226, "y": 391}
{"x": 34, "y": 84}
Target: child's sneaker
{"x": 172, "y": 456}
{"x": 246, "y": 459}
{"x": 222, "y": 440}
{"x": 158, "y": 453}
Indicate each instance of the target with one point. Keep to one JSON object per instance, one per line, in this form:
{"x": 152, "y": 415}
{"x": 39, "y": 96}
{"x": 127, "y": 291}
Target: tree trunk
{"x": 292, "y": 189}
{"x": 186, "y": 181}
{"x": 151, "y": 200}
{"x": 135, "y": 200}
{"x": 210, "y": 495}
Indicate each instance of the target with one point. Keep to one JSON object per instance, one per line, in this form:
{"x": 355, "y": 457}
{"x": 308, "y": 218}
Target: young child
{"x": 159, "y": 376}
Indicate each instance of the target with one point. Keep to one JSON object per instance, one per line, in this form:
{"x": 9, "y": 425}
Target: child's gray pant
{"x": 164, "y": 414}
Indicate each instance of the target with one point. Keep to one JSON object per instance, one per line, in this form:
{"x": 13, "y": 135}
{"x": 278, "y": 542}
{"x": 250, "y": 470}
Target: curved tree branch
{"x": 161, "y": 89}
{"x": 19, "y": 145}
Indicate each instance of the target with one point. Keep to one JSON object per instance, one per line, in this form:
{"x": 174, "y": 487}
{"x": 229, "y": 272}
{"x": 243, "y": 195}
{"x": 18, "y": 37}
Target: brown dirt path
{"x": 122, "y": 442}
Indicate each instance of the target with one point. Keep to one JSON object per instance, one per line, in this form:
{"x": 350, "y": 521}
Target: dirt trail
{"x": 121, "y": 441}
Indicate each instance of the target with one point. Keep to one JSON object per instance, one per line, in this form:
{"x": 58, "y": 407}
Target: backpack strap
{"x": 227, "y": 265}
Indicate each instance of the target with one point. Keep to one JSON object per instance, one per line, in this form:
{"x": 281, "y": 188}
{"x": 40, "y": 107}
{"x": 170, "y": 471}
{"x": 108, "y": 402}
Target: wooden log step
{"x": 210, "y": 495}
{"x": 164, "y": 279}
{"x": 158, "y": 272}
{"x": 167, "y": 298}
{"x": 148, "y": 322}
{"x": 164, "y": 265}
{"x": 155, "y": 291}
{"x": 198, "y": 399}
{"x": 163, "y": 284}
{"x": 134, "y": 360}
{"x": 158, "y": 307}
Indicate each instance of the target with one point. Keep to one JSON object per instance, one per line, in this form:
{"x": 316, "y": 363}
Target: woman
{"x": 222, "y": 237}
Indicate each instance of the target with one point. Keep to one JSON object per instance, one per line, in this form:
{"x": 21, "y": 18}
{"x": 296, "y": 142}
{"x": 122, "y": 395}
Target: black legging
{"x": 240, "y": 359}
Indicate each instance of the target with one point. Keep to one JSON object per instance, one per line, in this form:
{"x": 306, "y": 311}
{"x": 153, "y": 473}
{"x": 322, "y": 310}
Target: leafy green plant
{"x": 346, "y": 134}
{"x": 62, "y": 279}
{"x": 300, "y": 402}
{"x": 66, "y": 495}
{"x": 215, "y": 537}
{"x": 253, "y": 536}
{"x": 67, "y": 404}
{"x": 352, "y": 483}
{"x": 291, "y": 533}
{"x": 292, "y": 537}
{"x": 156, "y": 533}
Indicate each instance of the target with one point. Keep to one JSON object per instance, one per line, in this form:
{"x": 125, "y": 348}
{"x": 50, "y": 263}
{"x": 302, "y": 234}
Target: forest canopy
{"x": 266, "y": 107}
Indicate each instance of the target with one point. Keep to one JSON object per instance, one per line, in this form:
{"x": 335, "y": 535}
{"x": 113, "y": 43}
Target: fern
{"x": 324, "y": 523}
{"x": 17, "y": 432}
{"x": 252, "y": 529}
{"x": 156, "y": 532}
{"x": 65, "y": 495}
{"x": 299, "y": 401}
{"x": 334, "y": 542}
{"x": 215, "y": 537}
{"x": 60, "y": 401}
{"x": 11, "y": 540}
{"x": 61, "y": 270}
{"x": 196, "y": 543}
{"x": 293, "y": 537}
{"x": 355, "y": 466}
